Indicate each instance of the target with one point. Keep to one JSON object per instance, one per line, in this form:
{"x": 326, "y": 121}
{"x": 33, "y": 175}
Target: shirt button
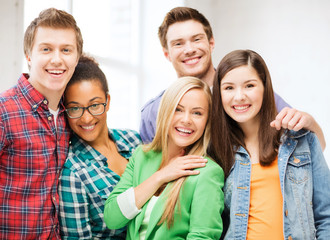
{"x": 45, "y": 102}
{"x": 34, "y": 106}
{"x": 286, "y": 212}
{"x": 54, "y": 198}
{"x": 50, "y": 118}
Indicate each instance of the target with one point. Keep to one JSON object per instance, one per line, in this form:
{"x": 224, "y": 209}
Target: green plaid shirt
{"x": 85, "y": 184}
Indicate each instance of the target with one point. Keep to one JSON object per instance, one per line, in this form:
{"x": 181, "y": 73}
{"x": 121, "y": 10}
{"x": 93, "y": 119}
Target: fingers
{"x": 182, "y": 166}
{"x": 289, "y": 118}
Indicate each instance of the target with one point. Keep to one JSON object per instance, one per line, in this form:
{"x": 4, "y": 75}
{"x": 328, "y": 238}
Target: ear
{"x": 167, "y": 54}
{"x": 212, "y": 43}
{"x": 107, "y": 107}
{"x": 28, "y": 59}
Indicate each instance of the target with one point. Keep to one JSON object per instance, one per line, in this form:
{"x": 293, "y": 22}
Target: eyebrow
{"x": 179, "y": 105}
{"x": 63, "y": 45}
{"x": 193, "y": 36}
{"x": 231, "y": 83}
{"x": 91, "y": 100}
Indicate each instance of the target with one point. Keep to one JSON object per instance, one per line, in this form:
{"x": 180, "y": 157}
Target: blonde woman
{"x": 170, "y": 188}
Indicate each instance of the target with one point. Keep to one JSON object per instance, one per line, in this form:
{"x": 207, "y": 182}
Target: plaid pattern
{"x": 32, "y": 154}
{"x": 85, "y": 184}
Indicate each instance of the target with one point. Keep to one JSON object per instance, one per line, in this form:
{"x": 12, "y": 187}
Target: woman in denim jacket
{"x": 277, "y": 182}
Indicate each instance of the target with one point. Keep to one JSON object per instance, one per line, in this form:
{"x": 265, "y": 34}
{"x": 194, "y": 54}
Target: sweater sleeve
{"x": 114, "y": 217}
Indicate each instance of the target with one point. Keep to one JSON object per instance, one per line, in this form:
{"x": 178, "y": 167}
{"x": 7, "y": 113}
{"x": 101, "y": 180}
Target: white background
{"x": 292, "y": 36}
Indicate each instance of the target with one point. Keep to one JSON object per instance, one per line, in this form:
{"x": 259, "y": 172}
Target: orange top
{"x": 266, "y": 203}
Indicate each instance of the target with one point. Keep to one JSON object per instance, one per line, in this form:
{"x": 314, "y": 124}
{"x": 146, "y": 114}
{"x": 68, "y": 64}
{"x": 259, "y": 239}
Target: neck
{"x": 251, "y": 139}
{"x": 209, "y": 76}
{"x": 102, "y": 143}
{"x": 174, "y": 151}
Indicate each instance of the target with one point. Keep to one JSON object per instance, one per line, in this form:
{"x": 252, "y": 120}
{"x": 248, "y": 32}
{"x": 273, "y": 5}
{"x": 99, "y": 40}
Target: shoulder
{"x": 140, "y": 152}
{"x": 212, "y": 167}
{"x": 212, "y": 170}
{"x": 73, "y": 163}
{"x": 9, "y": 99}
{"x": 153, "y": 103}
{"x": 299, "y": 136}
{"x": 126, "y": 137}
{"x": 304, "y": 141}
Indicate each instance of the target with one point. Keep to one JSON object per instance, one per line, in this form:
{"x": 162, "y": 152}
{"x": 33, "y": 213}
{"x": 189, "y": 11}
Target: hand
{"x": 292, "y": 119}
{"x": 181, "y": 166}
{"x": 295, "y": 120}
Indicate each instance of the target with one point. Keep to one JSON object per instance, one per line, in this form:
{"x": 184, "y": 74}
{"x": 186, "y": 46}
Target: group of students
{"x": 220, "y": 154}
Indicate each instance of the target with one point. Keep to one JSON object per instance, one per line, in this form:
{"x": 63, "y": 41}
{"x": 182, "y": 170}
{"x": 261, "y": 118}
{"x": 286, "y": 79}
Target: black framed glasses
{"x": 94, "y": 109}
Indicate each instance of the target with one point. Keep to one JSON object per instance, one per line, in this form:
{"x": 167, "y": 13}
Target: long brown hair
{"x": 226, "y": 135}
{"x": 168, "y": 104}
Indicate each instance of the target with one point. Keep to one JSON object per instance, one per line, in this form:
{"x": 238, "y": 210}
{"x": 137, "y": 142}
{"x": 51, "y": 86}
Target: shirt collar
{"x": 32, "y": 96}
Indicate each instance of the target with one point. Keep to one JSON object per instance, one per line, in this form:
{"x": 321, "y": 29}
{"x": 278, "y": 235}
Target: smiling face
{"x": 189, "y": 120}
{"x": 242, "y": 94}
{"x": 52, "y": 60}
{"x": 88, "y": 127}
{"x": 189, "y": 50}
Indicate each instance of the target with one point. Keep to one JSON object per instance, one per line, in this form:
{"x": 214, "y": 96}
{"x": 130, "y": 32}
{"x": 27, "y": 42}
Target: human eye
{"x": 197, "y": 113}
{"x": 250, "y": 85}
{"x": 177, "y": 44}
{"x": 178, "y": 109}
{"x": 45, "y": 49}
{"x": 95, "y": 106}
{"x": 74, "y": 109}
{"x": 228, "y": 88}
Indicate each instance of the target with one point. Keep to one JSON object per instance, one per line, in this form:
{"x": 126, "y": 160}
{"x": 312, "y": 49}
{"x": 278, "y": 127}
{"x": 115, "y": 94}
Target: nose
{"x": 186, "y": 118}
{"x": 189, "y": 48}
{"x": 56, "y": 58}
{"x": 86, "y": 117}
{"x": 239, "y": 95}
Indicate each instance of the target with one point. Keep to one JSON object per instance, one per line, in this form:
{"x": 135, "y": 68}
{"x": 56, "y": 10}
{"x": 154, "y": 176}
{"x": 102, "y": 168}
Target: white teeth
{"x": 184, "y": 130}
{"x": 88, "y": 127}
{"x": 192, "y": 61}
{"x": 56, "y": 71}
{"x": 241, "y": 107}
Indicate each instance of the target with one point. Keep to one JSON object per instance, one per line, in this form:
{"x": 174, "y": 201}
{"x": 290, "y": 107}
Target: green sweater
{"x": 201, "y": 202}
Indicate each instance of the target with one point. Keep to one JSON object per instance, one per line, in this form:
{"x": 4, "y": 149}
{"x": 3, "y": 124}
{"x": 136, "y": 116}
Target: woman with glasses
{"x": 97, "y": 156}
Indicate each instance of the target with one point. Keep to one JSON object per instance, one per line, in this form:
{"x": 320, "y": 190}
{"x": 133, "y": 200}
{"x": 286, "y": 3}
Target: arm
{"x": 113, "y": 216}
{"x": 293, "y": 119}
{"x": 280, "y": 103}
{"x": 74, "y": 216}
{"x": 178, "y": 167}
{"x": 207, "y": 204}
{"x": 120, "y": 208}
{"x": 3, "y": 138}
{"x": 148, "y": 119}
{"x": 321, "y": 190}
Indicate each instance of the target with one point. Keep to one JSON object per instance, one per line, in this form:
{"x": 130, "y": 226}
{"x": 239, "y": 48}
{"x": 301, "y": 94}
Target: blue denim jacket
{"x": 305, "y": 186}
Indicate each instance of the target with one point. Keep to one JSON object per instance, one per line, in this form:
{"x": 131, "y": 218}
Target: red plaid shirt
{"x": 32, "y": 154}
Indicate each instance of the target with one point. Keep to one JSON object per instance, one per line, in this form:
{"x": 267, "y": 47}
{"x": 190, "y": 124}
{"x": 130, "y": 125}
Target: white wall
{"x": 294, "y": 39}
{"x": 292, "y": 36}
{"x": 11, "y": 43}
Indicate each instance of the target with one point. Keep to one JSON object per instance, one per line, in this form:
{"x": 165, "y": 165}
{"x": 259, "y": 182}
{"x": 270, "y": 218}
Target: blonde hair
{"x": 168, "y": 104}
